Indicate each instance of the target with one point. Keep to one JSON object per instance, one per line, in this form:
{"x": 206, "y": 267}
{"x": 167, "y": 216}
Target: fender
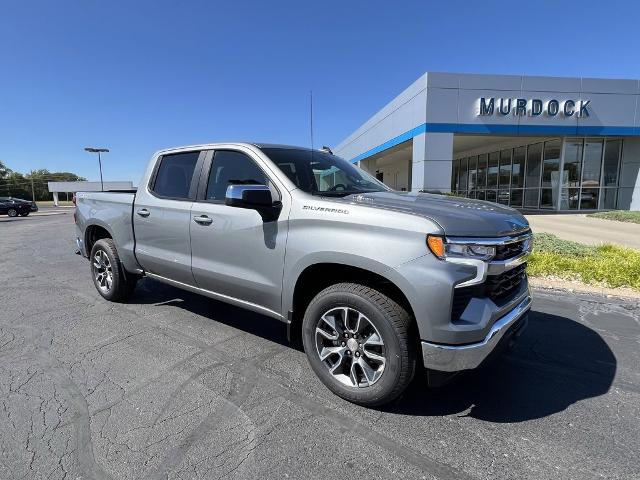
{"x": 292, "y": 273}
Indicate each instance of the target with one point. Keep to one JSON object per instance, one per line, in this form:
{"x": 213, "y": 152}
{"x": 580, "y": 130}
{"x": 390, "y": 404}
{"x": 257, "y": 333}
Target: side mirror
{"x": 253, "y": 197}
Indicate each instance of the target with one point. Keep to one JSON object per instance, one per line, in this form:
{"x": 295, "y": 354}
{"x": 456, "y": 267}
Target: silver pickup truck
{"x": 372, "y": 279}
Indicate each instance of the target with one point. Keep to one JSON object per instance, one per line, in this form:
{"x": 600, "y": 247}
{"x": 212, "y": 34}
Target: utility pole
{"x": 33, "y": 194}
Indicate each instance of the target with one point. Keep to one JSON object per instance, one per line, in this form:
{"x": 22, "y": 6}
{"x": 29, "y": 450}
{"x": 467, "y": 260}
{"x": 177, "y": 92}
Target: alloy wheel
{"x": 350, "y": 347}
{"x": 102, "y": 271}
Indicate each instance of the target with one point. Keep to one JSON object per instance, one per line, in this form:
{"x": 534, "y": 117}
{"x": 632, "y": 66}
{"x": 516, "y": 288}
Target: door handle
{"x": 203, "y": 220}
{"x": 143, "y": 212}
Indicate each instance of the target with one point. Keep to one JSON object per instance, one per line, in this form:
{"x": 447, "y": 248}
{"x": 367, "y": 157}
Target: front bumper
{"x": 454, "y": 358}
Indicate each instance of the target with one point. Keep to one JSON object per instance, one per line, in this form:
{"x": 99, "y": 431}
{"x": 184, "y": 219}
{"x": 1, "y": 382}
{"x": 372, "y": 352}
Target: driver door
{"x": 234, "y": 253}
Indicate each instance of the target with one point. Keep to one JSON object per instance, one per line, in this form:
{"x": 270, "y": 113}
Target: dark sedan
{"x": 16, "y": 206}
{"x": 34, "y": 205}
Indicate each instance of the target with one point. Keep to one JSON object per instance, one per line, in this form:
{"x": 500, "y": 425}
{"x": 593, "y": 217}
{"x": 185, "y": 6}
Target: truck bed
{"x": 112, "y": 211}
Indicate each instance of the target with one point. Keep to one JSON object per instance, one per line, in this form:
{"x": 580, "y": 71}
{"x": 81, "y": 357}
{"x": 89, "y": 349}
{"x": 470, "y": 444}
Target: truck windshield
{"x": 321, "y": 173}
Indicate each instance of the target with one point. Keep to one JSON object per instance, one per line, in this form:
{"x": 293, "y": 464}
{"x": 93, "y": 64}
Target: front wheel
{"x": 358, "y": 342}
{"x": 24, "y": 214}
{"x": 109, "y": 276}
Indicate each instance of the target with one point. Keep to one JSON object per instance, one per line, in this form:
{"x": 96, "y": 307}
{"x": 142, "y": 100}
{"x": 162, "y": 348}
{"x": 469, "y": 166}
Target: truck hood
{"x": 463, "y": 217}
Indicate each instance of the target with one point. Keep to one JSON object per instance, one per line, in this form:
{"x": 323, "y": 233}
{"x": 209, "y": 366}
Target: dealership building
{"x": 535, "y": 143}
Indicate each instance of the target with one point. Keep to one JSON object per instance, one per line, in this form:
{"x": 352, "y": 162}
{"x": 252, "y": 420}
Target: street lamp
{"x": 98, "y": 151}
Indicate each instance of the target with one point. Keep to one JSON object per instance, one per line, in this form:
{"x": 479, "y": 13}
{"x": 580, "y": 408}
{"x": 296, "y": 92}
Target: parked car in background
{"x": 16, "y": 206}
{"x": 34, "y": 205}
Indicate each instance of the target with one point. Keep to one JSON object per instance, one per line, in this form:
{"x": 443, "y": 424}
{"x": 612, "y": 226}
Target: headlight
{"x": 442, "y": 249}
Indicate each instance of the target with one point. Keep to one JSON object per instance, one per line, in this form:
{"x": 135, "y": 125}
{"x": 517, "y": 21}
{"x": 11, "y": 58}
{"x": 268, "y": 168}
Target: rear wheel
{"x": 12, "y": 212}
{"x": 358, "y": 342}
{"x": 109, "y": 276}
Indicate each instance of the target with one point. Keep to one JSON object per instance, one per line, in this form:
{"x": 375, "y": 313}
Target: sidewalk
{"x": 583, "y": 229}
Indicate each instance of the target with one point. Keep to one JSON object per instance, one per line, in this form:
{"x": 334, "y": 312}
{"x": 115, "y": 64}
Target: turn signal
{"x": 436, "y": 245}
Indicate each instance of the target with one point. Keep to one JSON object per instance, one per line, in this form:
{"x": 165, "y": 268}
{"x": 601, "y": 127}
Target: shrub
{"x": 618, "y": 215}
{"x": 606, "y": 265}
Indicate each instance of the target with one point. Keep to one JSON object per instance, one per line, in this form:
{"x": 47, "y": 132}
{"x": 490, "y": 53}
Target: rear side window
{"x": 232, "y": 168}
{"x": 174, "y": 175}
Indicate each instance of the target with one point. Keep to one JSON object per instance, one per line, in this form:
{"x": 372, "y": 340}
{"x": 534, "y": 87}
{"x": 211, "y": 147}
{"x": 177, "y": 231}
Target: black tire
{"x": 24, "y": 214}
{"x": 392, "y": 322}
{"x": 12, "y": 212}
{"x": 122, "y": 282}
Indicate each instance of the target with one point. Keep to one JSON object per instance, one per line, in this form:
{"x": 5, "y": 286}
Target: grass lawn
{"x": 618, "y": 215}
{"x": 605, "y": 265}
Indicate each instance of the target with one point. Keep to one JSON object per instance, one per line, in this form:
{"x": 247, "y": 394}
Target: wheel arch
{"x": 93, "y": 233}
{"x": 318, "y": 276}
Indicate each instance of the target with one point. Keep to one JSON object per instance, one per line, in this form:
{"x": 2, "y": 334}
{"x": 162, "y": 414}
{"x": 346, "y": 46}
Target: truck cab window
{"x": 232, "y": 168}
{"x": 174, "y": 175}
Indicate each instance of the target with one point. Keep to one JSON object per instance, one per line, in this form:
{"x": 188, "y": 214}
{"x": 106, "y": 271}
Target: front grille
{"x": 497, "y": 287}
{"x": 510, "y": 250}
{"x": 501, "y": 286}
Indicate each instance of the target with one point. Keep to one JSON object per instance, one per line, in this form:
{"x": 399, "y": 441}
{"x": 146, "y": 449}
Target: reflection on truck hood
{"x": 457, "y": 216}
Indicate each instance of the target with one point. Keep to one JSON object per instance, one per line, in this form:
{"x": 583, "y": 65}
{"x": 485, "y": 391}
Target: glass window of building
{"x": 592, "y": 166}
{"x": 473, "y": 172}
{"x": 482, "y": 172}
{"x": 492, "y": 170}
{"x": 517, "y": 172}
{"x": 610, "y": 169}
{"x": 573, "y": 148}
{"x": 532, "y": 177}
{"x": 516, "y": 197}
{"x": 464, "y": 174}
{"x": 569, "y": 174}
{"x": 608, "y": 198}
{"x": 505, "y": 168}
{"x": 551, "y": 166}
{"x": 572, "y": 161}
{"x": 454, "y": 175}
{"x": 592, "y": 163}
{"x": 611, "y": 161}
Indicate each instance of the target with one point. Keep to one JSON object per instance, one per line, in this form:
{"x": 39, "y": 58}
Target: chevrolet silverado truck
{"x": 375, "y": 282}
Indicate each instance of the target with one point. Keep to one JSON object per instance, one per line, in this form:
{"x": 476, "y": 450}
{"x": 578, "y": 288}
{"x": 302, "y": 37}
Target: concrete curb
{"x": 46, "y": 214}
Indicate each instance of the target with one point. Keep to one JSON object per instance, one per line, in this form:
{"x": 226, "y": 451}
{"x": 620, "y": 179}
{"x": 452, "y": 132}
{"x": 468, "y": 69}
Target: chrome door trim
{"x": 218, "y": 296}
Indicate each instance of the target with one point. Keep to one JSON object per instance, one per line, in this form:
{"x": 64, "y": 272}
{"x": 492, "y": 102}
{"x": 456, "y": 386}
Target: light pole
{"x": 98, "y": 151}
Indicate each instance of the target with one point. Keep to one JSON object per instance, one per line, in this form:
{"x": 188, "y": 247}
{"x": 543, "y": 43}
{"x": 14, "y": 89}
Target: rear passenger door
{"x": 162, "y": 216}
{"x": 235, "y": 253}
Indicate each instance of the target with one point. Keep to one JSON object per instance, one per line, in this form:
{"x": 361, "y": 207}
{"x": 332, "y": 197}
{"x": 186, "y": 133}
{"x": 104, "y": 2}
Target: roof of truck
{"x": 216, "y": 144}
{"x": 277, "y": 145}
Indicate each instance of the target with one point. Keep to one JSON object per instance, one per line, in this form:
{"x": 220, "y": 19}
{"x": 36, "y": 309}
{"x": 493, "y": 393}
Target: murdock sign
{"x": 532, "y": 107}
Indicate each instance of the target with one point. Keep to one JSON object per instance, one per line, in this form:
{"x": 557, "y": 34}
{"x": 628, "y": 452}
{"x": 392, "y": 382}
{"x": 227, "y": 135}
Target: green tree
{"x": 15, "y": 184}
{"x": 4, "y": 170}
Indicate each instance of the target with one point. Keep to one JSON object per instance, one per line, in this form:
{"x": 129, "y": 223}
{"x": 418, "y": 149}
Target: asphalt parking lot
{"x": 172, "y": 385}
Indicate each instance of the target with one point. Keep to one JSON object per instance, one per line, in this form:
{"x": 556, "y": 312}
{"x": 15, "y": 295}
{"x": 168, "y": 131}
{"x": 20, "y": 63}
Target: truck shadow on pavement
{"x": 555, "y": 363}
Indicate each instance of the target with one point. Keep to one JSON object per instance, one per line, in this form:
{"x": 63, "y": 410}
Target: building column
{"x": 432, "y": 162}
{"x": 55, "y": 198}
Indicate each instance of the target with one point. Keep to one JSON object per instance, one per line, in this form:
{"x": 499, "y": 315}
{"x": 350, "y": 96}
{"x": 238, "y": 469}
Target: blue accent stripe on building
{"x": 492, "y": 128}
{"x": 393, "y": 142}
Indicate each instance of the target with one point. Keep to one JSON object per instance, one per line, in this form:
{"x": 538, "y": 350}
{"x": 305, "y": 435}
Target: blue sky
{"x": 138, "y": 76}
